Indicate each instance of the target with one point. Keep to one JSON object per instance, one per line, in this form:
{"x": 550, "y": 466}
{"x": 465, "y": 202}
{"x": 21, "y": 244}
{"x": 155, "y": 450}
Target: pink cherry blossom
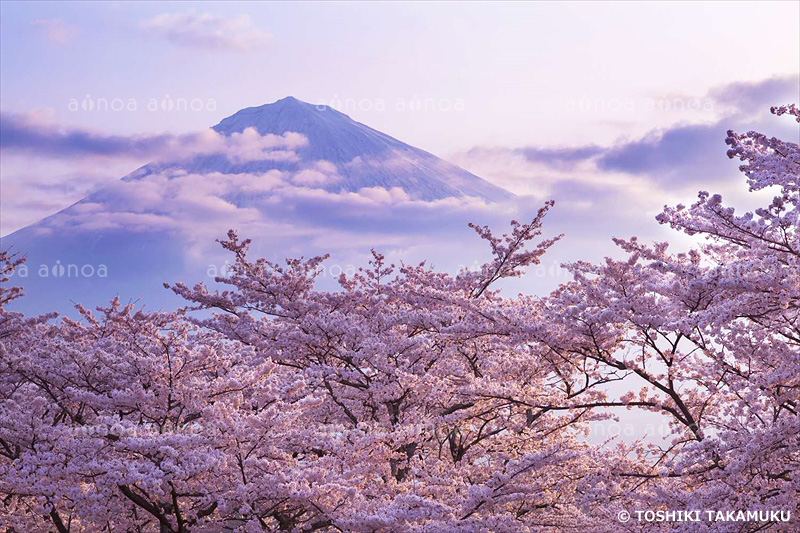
{"x": 416, "y": 400}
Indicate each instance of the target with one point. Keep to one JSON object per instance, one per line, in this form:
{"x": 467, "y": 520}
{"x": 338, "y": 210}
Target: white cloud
{"x": 512, "y": 170}
{"x": 382, "y": 195}
{"x": 248, "y": 145}
{"x": 201, "y": 207}
{"x": 46, "y": 167}
{"x": 318, "y": 174}
{"x": 207, "y": 31}
{"x": 56, "y": 30}
{"x": 34, "y": 133}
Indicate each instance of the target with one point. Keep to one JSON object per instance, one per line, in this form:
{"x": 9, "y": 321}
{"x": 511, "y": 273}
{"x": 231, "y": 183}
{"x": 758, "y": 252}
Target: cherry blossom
{"x": 416, "y": 400}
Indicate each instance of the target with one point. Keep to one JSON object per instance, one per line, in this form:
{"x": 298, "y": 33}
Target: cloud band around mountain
{"x": 23, "y": 133}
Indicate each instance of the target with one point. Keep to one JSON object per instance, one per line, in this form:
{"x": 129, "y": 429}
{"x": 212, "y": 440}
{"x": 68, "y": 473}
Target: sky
{"x": 491, "y": 73}
{"x": 612, "y": 108}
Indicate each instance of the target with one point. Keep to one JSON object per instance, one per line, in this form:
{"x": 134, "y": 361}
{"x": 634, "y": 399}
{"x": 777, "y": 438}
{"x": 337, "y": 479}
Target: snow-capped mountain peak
{"x": 360, "y": 156}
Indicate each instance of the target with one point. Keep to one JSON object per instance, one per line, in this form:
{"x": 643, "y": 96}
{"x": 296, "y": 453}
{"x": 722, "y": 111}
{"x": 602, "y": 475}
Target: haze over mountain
{"x": 286, "y": 174}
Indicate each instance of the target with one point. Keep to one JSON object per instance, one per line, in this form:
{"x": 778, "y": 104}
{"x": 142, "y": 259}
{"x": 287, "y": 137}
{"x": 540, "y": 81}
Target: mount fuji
{"x": 363, "y": 157}
{"x": 283, "y": 173}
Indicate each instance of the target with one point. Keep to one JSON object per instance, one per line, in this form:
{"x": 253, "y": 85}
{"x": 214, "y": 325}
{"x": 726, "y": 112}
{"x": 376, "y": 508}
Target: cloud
{"x": 206, "y": 31}
{"x": 318, "y": 174}
{"x": 199, "y": 178}
{"x": 29, "y": 134}
{"x": 696, "y": 153}
{"x": 678, "y": 155}
{"x": 57, "y": 166}
{"x": 752, "y": 97}
{"x": 564, "y": 158}
{"x": 617, "y": 190}
{"x": 602, "y": 191}
{"x": 197, "y": 208}
{"x": 55, "y": 30}
{"x": 382, "y": 195}
{"x": 32, "y": 190}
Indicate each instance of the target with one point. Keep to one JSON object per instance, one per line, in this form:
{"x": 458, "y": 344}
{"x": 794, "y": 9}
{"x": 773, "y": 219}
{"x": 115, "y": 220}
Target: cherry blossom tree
{"x": 416, "y": 400}
{"x": 710, "y": 339}
{"x": 380, "y": 407}
{"x": 131, "y": 421}
{"x": 413, "y": 369}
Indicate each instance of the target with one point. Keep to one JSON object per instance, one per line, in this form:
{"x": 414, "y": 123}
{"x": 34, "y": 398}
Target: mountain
{"x": 364, "y": 157}
{"x": 328, "y": 175}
